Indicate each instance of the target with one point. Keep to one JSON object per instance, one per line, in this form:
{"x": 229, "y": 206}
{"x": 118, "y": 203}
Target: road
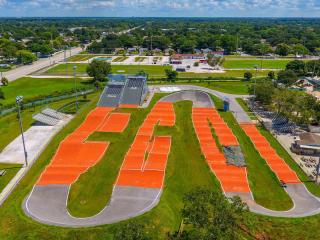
{"x": 41, "y": 63}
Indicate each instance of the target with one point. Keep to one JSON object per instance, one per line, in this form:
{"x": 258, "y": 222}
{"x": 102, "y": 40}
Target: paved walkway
{"x": 37, "y": 138}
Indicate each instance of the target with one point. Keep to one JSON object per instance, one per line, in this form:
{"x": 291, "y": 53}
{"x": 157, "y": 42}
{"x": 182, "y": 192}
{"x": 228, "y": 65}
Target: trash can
{"x": 226, "y": 104}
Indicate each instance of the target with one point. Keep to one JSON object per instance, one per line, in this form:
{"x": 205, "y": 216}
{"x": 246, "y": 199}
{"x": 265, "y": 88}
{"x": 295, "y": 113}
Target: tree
{"x": 131, "y": 231}
{"x": 271, "y": 75}
{"x": 171, "y": 75}
{"x": 98, "y": 70}
{"x": 4, "y": 81}
{"x": 1, "y": 94}
{"x": 287, "y": 77}
{"x": 298, "y": 66}
{"x": 247, "y": 76}
{"x": 25, "y": 57}
{"x": 264, "y": 92}
{"x": 283, "y": 49}
{"x": 209, "y": 215}
{"x": 300, "y": 49}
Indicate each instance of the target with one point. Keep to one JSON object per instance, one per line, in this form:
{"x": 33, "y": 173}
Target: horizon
{"x": 164, "y": 8}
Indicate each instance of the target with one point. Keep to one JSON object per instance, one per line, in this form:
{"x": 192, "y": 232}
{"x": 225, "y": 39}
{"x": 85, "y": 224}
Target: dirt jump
{"x": 140, "y": 182}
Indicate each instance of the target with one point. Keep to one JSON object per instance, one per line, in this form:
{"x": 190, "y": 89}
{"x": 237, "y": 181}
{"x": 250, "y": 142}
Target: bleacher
{"x": 111, "y": 96}
{"x": 134, "y": 90}
{"x": 234, "y": 156}
{"x": 40, "y": 117}
{"x": 281, "y": 124}
{"x": 49, "y": 117}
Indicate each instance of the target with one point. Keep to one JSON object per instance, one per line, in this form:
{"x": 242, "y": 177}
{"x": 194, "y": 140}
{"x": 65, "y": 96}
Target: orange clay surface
{"x": 116, "y": 122}
{"x": 232, "y": 178}
{"x": 275, "y": 162}
{"x": 145, "y": 162}
{"x": 74, "y": 156}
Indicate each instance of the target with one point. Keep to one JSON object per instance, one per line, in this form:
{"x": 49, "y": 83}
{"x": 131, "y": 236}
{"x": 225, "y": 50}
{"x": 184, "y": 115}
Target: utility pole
{"x": 18, "y": 101}
{"x": 255, "y": 80}
{"x": 75, "y": 85}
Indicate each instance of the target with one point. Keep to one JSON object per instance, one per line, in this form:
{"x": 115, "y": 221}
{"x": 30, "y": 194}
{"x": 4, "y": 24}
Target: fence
{"x": 45, "y": 101}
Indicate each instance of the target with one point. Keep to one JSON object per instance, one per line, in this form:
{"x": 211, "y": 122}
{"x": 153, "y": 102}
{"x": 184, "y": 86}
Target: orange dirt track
{"x": 74, "y": 156}
{"x": 232, "y": 178}
{"x": 145, "y": 162}
{"x": 275, "y": 162}
{"x": 116, "y": 122}
{"x": 128, "y": 106}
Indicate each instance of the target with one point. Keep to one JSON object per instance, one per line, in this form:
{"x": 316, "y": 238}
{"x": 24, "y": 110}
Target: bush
{"x": 1, "y": 94}
{"x": 4, "y": 81}
{"x": 247, "y": 76}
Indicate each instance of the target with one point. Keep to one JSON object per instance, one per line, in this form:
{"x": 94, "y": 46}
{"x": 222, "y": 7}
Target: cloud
{"x": 164, "y": 7}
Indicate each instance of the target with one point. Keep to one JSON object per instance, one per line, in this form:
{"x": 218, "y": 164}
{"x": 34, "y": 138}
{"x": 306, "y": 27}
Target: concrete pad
{"x": 200, "y": 99}
{"x": 47, "y": 204}
{"x": 35, "y": 138}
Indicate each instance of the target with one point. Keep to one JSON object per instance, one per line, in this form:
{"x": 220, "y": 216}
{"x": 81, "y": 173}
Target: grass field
{"x": 139, "y": 59}
{"x": 80, "y": 57}
{"x": 119, "y": 59}
{"x": 33, "y": 87}
{"x": 153, "y": 71}
{"x": 186, "y": 170}
{"x": 249, "y": 63}
{"x": 226, "y": 74}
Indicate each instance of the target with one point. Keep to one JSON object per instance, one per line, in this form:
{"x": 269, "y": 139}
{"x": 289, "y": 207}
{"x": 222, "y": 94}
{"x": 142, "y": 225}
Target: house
{"x": 217, "y": 53}
{"x": 119, "y": 50}
{"x": 307, "y": 84}
{"x": 206, "y": 50}
{"x": 306, "y": 144}
{"x": 131, "y": 50}
{"x": 143, "y": 50}
{"x": 197, "y": 51}
{"x": 167, "y": 51}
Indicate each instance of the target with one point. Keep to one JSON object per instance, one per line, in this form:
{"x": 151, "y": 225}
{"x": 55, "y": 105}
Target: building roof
{"x": 309, "y": 140}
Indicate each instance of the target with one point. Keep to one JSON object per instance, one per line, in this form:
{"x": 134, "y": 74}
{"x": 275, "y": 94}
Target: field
{"x": 35, "y": 87}
{"x": 119, "y": 59}
{"x": 249, "y": 63}
{"x": 79, "y": 58}
{"x": 153, "y": 71}
{"x": 139, "y": 59}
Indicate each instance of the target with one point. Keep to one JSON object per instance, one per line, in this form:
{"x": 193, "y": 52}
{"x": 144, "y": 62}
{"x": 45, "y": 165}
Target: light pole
{"x": 75, "y": 85}
{"x": 18, "y": 101}
{"x": 255, "y": 80}
{"x": 318, "y": 171}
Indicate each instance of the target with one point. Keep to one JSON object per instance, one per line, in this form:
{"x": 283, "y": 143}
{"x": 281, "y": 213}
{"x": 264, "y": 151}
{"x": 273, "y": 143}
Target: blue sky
{"x": 161, "y": 8}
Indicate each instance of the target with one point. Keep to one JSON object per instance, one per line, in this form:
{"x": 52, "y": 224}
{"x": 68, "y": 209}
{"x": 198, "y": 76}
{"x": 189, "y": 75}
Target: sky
{"x": 159, "y": 8}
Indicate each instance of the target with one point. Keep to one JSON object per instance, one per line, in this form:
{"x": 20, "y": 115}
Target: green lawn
{"x": 80, "y": 57}
{"x": 249, "y": 63}
{"x": 186, "y": 170}
{"x": 119, "y": 59}
{"x": 245, "y": 107}
{"x": 35, "y": 87}
{"x": 139, "y": 59}
{"x": 152, "y": 70}
{"x": 11, "y": 171}
{"x": 226, "y": 74}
